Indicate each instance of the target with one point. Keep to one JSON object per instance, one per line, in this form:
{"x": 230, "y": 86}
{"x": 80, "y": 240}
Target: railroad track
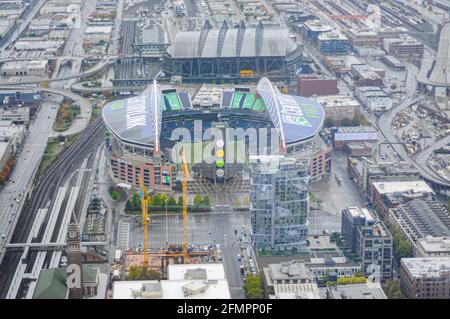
{"x": 57, "y": 171}
{"x": 44, "y": 192}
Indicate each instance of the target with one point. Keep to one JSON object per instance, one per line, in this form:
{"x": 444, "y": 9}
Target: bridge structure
{"x": 434, "y": 72}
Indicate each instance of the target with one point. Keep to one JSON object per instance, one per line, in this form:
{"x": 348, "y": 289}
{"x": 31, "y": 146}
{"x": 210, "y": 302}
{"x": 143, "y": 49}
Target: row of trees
{"x": 162, "y": 199}
{"x": 253, "y": 287}
{"x": 402, "y": 246}
{"x": 358, "y": 120}
{"x": 393, "y": 290}
{"x": 351, "y": 280}
{"x": 142, "y": 273}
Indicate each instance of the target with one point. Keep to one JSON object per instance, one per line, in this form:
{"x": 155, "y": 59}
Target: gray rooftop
{"x": 358, "y": 291}
{"x": 430, "y": 267}
{"x": 188, "y": 44}
{"x": 425, "y": 217}
{"x": 290, "y": 270}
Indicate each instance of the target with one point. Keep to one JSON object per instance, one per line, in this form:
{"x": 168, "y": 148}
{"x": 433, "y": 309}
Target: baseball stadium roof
{"x": 240, "y": 42}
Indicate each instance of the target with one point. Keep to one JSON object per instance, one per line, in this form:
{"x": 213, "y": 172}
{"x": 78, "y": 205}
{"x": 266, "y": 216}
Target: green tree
{"x": 351, "y": 280}
{"x": 134, "y": 273}
{"x": 136, "y": 202}
{"x": 180, "y": 201}
{"x": 402, "y": 246}
{"x": 346, "y": 122}
{"x": 253, "y": 287}
{"x": 328, "y": 122}
{"x": 142, "y": 273}
{"x": 163, "y": 198}
{"x": 156, "y": 200}
{"x": 206, "y": 201}
{"x": 198, "y": 200}
{"x": 129, "y": 206}
{"x": 171, "y": 201}
{"x": 393, "y": 290}
{"x": 115, "y": 195}
{"x": 359, "y": 119}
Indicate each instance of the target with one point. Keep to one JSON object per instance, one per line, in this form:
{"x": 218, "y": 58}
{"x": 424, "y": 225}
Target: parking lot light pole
{"x": 167, "y": 232}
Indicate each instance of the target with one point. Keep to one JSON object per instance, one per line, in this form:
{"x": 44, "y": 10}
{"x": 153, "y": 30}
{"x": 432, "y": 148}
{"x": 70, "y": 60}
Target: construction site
{"x": 158, "y": 261}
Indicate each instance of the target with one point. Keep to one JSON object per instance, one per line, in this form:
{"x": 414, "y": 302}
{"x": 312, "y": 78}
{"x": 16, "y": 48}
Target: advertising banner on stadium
{"x": 132, "y": 119}
{"x": 301, "y": 118}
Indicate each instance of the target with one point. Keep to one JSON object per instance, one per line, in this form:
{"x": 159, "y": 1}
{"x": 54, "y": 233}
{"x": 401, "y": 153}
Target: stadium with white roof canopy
{"x": 146, "y": 132}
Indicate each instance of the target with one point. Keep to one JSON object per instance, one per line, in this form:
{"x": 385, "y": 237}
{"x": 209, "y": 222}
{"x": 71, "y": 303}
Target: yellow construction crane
{"x": 143, "y": 195}
{"x": 184, "y": 190}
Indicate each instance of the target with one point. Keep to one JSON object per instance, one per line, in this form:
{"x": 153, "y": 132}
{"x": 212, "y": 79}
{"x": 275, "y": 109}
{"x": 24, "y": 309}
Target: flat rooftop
{"x": 172, "y": 289}
{"x": 425, "y": 218}
{"x": 289, "y": 270}
{"x": 333, "y": 35}
{"x": 386, "y": 187}
{"x": 179, "y": 271}
{"x": 336, "y": 100}
{"x": 359, "y": 291}
{"x": 317, "y": 26}
{"x": 430, "y": 267}
{"x": 432, "y": 244}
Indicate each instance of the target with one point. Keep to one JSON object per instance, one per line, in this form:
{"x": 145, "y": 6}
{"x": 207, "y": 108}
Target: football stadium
{"x": 146, "y": 132}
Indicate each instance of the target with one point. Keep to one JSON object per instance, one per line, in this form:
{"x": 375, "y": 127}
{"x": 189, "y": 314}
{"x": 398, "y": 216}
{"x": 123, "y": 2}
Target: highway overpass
{"x": 440, "y": 67}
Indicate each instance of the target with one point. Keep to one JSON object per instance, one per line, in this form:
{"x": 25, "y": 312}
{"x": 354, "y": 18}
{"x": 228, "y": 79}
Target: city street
{"x": 336, "y": 197}
{"x": 27, "y": 163}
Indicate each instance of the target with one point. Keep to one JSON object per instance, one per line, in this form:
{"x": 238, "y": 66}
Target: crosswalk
{"x": 5, "y": 54}
{"x": 15, "y": 79}
{"x": 124, "y": 235}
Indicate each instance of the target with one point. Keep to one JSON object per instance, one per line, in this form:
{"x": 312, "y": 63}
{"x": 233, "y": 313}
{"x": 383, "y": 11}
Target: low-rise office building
{"x": 313, "y": 28}
{"x": 365, "y": 171}
{"x": 425, "y": 223}
{"x": 312, "y": 85}
{"x": 365, "y": 75}
{"x": 192, "y": 281}
{"x": 404, "y": 46}
{"x": 425, "y": 278}
{"x": 390, "y": 194}
{"x": 338, "y": 107}
{"x": 356, "y": 291}
{"x": 23, "y": 68}
{"x": 374, "y": 99}
{"x": 333, "y": 43}
{"x": 19, "y": 115}
{"x": 354, "y": 134}
{"x": 433, "y": 247}
{"x": 294, "y": 272}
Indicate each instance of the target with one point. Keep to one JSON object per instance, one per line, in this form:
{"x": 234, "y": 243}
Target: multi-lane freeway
{"x": 439, "y": 68}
